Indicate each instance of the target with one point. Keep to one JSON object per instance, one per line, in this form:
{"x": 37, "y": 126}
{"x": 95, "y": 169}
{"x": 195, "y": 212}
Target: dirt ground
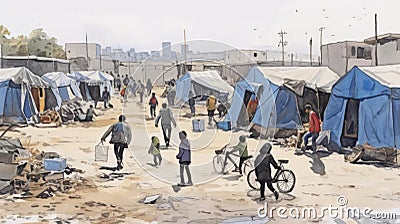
{"x": 213, "y": 198}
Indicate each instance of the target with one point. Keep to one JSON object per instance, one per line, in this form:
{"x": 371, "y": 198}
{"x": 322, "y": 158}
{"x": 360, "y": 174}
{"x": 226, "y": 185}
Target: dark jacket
{"x": 105, "y": 95}
{"x": 263, "y": 166}
{"x": 184, "y": 154}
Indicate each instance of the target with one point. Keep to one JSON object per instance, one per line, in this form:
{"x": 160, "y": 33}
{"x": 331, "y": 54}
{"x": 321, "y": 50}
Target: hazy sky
{"x": 242, "y": 24}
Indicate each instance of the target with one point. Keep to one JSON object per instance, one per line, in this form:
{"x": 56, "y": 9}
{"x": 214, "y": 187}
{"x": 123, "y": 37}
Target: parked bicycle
{"x": 220, "y": 167}
{"x": 284, "y": 178}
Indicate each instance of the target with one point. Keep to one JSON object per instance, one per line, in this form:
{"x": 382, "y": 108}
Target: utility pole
{"x": 311, "y": 51}
{"x": 376, "y": 40}
{"x": 87, "y": 52}
{"x": 184, "y": 42}
{"x": 321, "y": 29}
{"x": 282, "y": 43}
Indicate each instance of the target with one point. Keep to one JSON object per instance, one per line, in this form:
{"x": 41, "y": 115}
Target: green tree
{"x": 37, "y": 43}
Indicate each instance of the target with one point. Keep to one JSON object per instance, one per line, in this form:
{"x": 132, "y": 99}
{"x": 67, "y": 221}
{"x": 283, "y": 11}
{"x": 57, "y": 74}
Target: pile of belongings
{"x": 73, "y": 110}
{"x": 23, "y": 173}
{"x": 366, "y": 152}
{"x": 289, "y": 142}
{"x": 50, "y": 117}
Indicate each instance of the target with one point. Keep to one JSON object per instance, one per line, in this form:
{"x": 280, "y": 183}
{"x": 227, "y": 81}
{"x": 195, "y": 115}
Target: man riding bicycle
{"x": 241, "y": 147}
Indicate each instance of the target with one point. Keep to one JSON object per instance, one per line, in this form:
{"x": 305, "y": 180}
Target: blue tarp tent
{"x": 17, "y": 104}
{"x": 365, "y": 107}
{"x": 66, "y": 87}
{"x": 281, "y": 93}
{"x": 201, "y": 83}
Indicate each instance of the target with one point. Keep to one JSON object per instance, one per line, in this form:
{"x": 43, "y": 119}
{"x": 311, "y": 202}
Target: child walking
{"x": 153, "y": 105}
{"x": 155, "y": 150}
{"x": 184, "y": 157}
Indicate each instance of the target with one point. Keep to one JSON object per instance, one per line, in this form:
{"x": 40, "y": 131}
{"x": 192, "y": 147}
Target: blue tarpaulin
{"x": 278, "y": 106}
{"x": 376, "y": 90}
{"x": 17, "y": 104}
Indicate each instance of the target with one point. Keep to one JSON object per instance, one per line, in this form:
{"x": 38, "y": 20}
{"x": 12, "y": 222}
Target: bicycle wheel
{"x": 247, "y": 167}
{"x": 218, "y": 164}
{"x": 285, "y": 181}
{"x": 251, "y": 180}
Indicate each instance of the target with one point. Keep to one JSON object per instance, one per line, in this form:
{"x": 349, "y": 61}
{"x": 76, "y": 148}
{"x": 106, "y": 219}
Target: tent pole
{"x": 318, "y": 105}
{"x": 393, "y": 114}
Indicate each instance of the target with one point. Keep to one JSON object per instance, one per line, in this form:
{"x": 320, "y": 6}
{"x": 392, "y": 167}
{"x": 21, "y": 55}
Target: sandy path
{"x": 211, "y": 202}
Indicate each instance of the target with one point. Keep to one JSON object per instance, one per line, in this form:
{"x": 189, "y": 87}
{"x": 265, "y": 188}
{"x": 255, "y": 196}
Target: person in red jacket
{"x": 314, "y": 129}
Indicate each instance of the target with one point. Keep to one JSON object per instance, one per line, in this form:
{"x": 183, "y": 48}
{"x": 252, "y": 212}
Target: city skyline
{"x": 253, "y": 26}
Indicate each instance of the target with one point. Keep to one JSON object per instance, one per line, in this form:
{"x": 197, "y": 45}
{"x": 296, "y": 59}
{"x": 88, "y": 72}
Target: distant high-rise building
{"x": 155, "y": 54}
{"x": 166, "y": 49}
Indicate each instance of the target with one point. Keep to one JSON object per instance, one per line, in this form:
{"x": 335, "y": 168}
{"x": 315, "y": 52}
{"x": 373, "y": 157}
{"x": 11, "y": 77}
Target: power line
{"x": 282, "y": 43}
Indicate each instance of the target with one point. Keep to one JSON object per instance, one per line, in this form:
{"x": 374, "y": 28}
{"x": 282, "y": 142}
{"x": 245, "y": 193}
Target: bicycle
{"x": 285, "y": 179}
{"x": 219, "y": 158}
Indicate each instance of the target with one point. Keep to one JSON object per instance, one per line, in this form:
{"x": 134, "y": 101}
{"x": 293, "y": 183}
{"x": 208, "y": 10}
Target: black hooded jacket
{"x": 263, "y": 165}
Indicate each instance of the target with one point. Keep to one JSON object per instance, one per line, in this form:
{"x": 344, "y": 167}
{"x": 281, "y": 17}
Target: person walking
{"x": 140, "y": 90}
{"x": 149, "y": 86}
{"x": 184, "y": 157}
{"x": 192, "y": 103}
{"x": 118, "y": 83}
{"x": 105, "y": 96}
{"x": 153, "y": 105}
{"x": 155, "y": 151}
{"x": 262, "y": 166}
{"x": 133, "y": 86}
{"x": 126, "y": 80}
{"x": 167, "y": 118}
{"x": 314, "y": 128}
{"x": 211, "y": 105}
{"x": 121, "y": 137}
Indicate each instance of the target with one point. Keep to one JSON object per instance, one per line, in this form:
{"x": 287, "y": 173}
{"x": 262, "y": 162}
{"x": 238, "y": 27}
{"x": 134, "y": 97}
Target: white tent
{"x": 99, "y": 78}
{"x": 201, "y": 83}
{"x": 67, "y": 87}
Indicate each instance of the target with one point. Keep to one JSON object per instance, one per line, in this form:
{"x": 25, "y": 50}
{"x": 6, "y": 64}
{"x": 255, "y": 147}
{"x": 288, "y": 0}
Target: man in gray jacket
{"x": 167, "y": 118}
{"x": 121, "y": 137}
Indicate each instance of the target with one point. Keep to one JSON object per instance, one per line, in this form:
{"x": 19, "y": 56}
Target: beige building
{"x": 343, "y": 56}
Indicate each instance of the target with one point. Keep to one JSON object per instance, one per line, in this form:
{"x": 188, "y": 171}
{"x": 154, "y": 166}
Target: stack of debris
{"x": 73, "y": 110}
{"x": 368, "y": 153}
{"x": 27, "y": 173}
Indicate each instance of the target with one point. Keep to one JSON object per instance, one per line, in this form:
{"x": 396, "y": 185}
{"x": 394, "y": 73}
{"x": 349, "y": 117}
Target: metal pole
{"x": 376, "y": 40}
{"x": 184, "y": 42}
{"x": 311, "y": 51}
{"x": 320, "y": 43}
{"x": 87, "y": 52}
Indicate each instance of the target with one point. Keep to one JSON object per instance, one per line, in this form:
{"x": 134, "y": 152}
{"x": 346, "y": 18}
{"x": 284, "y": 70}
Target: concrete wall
{"x": 156, "y": 72}
{"x": 38, "y": 67}
{"x": 388, "y": 53}
{"x": 78, "y": 50}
